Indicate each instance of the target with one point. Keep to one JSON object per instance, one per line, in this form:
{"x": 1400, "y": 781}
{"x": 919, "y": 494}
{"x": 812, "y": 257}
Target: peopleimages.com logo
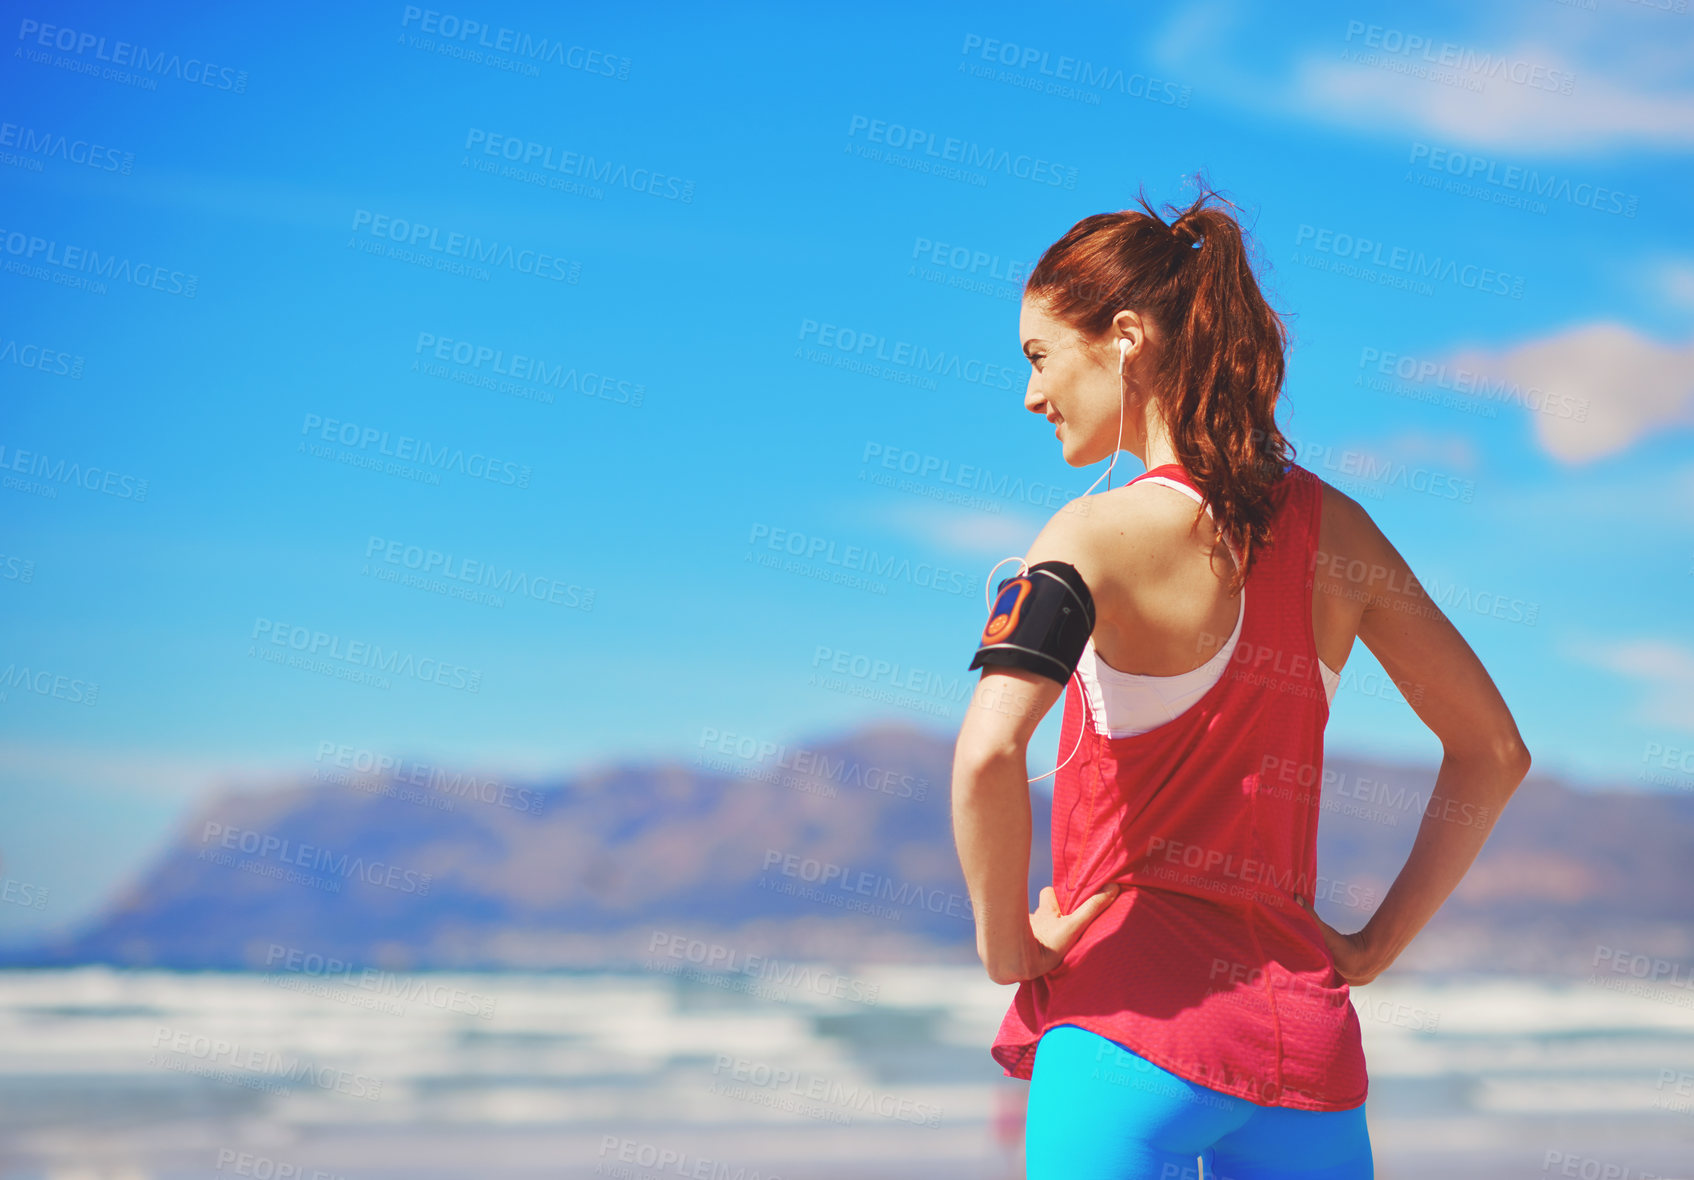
{"x": 313, "y": 858}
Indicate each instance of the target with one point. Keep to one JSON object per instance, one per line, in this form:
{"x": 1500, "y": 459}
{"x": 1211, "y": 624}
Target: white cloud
{"x": 1194, "y": 30}
{"x": 1609, "y": 500}
{"x": 962, "y": 530}
{"x": 1599, "y": 387}
{"x": 1457, "y": 452}
{"x": 163, "y": 775}
{"x": 1629, "y": 79}
{"x": 1600, "y": 112}
{"x": 1676, "y": 282}
{"x": 151, "y": 773}
{"x": 1665, "y": 669}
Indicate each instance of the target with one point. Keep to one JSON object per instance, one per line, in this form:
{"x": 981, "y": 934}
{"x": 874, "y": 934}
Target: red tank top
{"x": 1204, "y": 964}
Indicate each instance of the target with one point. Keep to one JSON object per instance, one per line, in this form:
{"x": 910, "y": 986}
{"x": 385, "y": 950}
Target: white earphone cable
{"x": 1023, "y": 567}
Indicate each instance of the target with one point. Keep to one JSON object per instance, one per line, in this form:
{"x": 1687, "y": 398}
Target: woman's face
{"x": 1074, "y": 384}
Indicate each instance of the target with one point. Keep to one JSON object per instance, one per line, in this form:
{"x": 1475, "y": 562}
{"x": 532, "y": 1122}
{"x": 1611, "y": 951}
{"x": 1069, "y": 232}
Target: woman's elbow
{"x": 1499, "y": 748}
{"x": 1508, "y": 757}
{"x": 976, "y": 756}
{"x": 998, "y": 972}
{"x": 1512, "y": 754}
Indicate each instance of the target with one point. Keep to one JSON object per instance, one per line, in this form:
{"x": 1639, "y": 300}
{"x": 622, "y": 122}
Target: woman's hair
{"x": 1220, "y": 369}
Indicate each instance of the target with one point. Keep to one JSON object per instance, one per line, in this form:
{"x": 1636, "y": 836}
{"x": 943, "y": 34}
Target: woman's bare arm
{"x": 1483, "y": 756}
{"x": 992, "y": 825}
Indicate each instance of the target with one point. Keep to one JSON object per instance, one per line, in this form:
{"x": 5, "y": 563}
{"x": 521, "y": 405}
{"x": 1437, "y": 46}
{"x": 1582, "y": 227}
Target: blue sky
{"x": 689, "y": 360}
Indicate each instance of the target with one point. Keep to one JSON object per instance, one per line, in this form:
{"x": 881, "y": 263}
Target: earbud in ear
{"x": 1123, "y": 348}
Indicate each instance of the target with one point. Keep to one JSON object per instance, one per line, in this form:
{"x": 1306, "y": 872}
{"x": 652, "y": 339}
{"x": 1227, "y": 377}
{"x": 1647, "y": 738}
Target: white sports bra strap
{"x": 1192, "y": 495}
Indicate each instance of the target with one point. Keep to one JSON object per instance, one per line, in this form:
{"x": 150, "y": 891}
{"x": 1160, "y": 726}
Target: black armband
{"x": 1041, "y": 622}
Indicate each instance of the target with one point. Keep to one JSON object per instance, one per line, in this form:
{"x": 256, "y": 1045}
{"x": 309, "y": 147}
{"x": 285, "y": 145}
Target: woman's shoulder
{"x": 1134, "y": 531}
{"x": 1345, "y": 524}
{"x": 1142, "y": 508}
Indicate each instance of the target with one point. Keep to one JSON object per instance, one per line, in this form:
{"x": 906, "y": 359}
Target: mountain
{"x": 414, "y": 868}
{"x": 840, "y": 850}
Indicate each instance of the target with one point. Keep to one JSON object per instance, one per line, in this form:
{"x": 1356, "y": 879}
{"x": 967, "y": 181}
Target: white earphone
{"x": 1123, "y": 394}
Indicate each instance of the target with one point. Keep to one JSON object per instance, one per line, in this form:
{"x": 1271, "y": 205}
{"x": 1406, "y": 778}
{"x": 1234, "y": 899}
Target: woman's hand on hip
{"x": 1056, "y": 933}
{"x": 1353, "y": 957}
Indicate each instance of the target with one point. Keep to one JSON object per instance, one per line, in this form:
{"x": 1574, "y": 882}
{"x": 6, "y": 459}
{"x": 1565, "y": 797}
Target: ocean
{"x": 325, "y": 1070}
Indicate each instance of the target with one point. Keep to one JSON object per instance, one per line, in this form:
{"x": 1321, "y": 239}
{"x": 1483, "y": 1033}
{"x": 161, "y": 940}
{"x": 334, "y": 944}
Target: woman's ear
{"x": 1131, "y": 333}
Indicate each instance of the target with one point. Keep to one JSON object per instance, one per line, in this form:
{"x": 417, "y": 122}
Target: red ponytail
{"x": 1221, "y": 368}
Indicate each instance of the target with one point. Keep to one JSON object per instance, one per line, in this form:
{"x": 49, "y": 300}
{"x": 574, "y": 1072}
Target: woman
{"x": 1181, "y": 1009}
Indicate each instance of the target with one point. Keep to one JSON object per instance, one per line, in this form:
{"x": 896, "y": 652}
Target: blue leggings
{"x": 1100, "y": 1112}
